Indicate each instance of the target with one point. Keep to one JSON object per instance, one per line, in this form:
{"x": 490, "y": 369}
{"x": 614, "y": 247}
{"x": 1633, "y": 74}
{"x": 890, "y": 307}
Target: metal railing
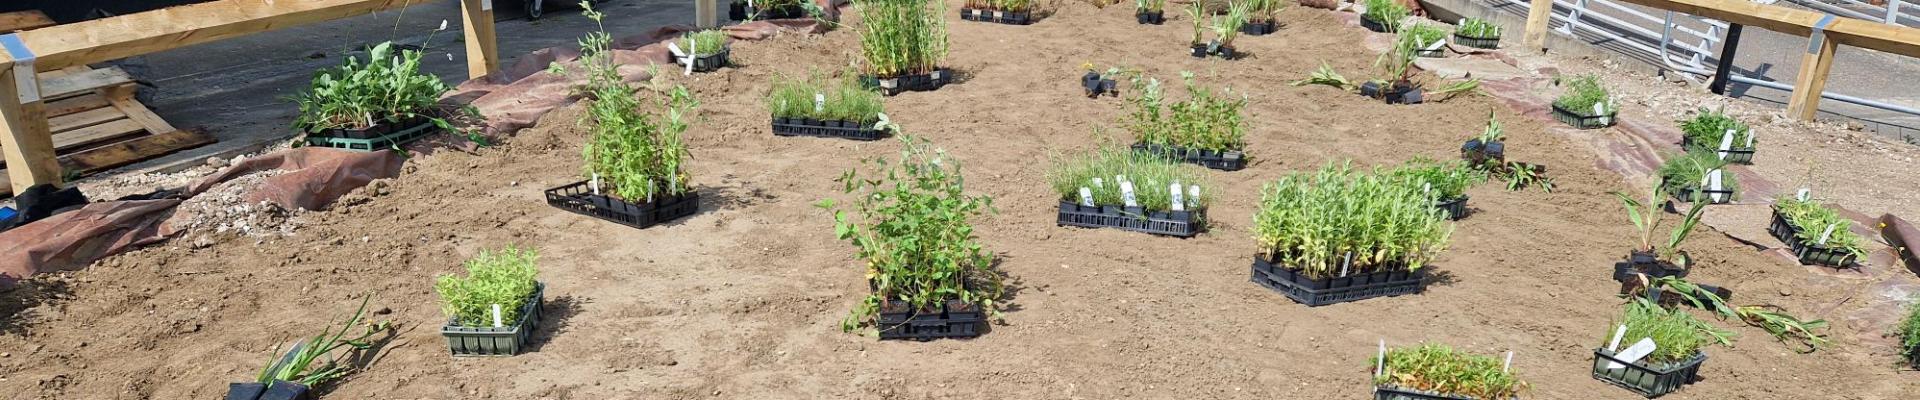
{"x": 1894, "y": 12}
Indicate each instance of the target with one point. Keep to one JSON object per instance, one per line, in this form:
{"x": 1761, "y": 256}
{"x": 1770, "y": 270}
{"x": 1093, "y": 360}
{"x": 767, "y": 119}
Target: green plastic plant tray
{"x": 384, "y": 142}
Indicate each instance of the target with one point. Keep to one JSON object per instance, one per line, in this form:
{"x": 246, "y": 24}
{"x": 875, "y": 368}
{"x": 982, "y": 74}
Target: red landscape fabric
{"x": 74, "y": 239}
{"x": 317, "y": 177}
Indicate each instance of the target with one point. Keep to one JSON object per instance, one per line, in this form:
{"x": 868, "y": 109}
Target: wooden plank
{"x": 129, "y": 35}
{"x": 76, "y": 104}
{"x": 24, "y": 20}
{"x": 28, "y": 147}
{"x": 74, "y": 84}
{"x": 123, "y": 153}
{"x": 63, "y": 123}
{"x": 483, "y": 56}
{"x": 1539, "y": 15}
{"x": 1861, "y": 33}
{"x": 121, "y": 97}
{"x": 96, "y": 134}
{"x": 1804, "y": 103}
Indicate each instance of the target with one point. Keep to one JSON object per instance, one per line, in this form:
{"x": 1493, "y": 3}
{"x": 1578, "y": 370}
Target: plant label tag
{"x": 1436, "y": 45}
{"x": 1380, "y": 363}
{"x": 1346, "y": 263}
{"x": 1086, "y": 197}
{"x": 1713, "y": 181}
{"x": 1726, "y": 144}
{"x": 1803, "y": 194}
{"x": 486, "y": 5}
{"x": 1750, "y": 135}
{"x": 1509, "y": 364}
{"x": 675, "y": 49}
{"x": 1193, "y": 195}
{"x": 936, "y": 75}
{"x": 1178, "y": 203}
{"x": 1097, "y": 182}
{"x": 595, "y": 183}
{"x": 1126, "y": 194}
{"x": 819, "y": 102}
{"x": 1601, "y": 110}
{"x": 1828, "y": 234}
{"x": 496, "y": 316}
{"x": 1614, "y": 345}
{"x": 1427, "y": 188}
{"x": 1635, "y": 352}
{"x": 887, "y": 83}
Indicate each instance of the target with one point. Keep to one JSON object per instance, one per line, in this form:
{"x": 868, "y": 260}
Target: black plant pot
{"x": 1199, "y": 51}
{"x": 1402, "y": 92}
{"x": 1474, "y": 42}
{"x": 1150, "y": 18}
{"x": 1372, "y": 25}
{"x": 1226, "y": 52}
{"x": 1479, "y": 153}
{"x": 245, "y": 390}
{"x": 283, "y": 390}
{"x": 1647, "y": 380}
{"x": 1260, "y": 28}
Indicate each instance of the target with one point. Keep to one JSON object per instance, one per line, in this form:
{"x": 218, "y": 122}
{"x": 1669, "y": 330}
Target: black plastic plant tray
{"x": 279, "y": 390}
{"x": 1807, "y": 253}
{"x": 740, "y": 12}
{"x": 1224, "y": 52}
{"x": 1150, "y": 18}
{"x": 1644, "y": 379}
{"x": 1913, "y": 359}
{"x": 830, "y": 129}
{"x": 1405, "y": 95}
{"x": 1009, "y": 18}
{"x": 381, "y": 128}
{"x": 1175, "y": 223}
{"x": 1389, "y": 392}
{"x": 387, "y": 141}
{"x": 1688, "y": 193}
{"x": 1320, "y": 292}
{"x": 1736, "y": 154}
{"x": 1220, "y": 160}
{"x": 1583, "y": 121}
{"x": 910, "y": 82}
{"x": 1260, "y": 28}
{"x": 955, "y": 319}
{"x": 1372, "y": 25}
{"x": 708, "y": 63}
{"x": 1474, "y": 42}
{"x": 578, "y": 198}
{"x": 464, "y": 341}
{"x": 1455, "y": 208}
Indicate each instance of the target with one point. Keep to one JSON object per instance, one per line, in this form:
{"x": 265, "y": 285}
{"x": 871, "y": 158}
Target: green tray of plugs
{"x": 383, "y": 142}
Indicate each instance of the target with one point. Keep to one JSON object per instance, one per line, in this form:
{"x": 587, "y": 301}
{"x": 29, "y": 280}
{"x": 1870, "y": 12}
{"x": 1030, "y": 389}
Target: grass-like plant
{"x": 1197, "y": 12}
{"x": 1387, "y": 13}
{"x": 1684, "y": 172}
{"x": 1676, "y": 334}
{"x": 1325, "y": 75}
{"x": 1705, "y": 130}
{"x": 902, "y": 37}
{"x": 388, "y": 87}
{"x": 913, "y": 230}
{"x": 1151, "y": 6}
{"x": 1478, "y": 29}
{"x": 1316, "y": 221}
{"x": 1226, "y": 27}
{"x": 845, "y": 100}
{"x": 704, "y": 42}
{"x": 1397, "y": 62}
{"x": 1443, "y": 181}
{"x": 1264, "y": 11}
{"x": 1152, "y": 177}
{"x": 1583, "y": 93}
{"x": 1784, "y": 327}
{"x": 1646, "y": 217}
{"x": 1813, "y": 219}
{"x": 1909, "y": 332}
{"x": 504, "y": 277}
{"x": 1440, "y": 369}
{"x": 297, "y": 364}
{"x": 1205, "y": 121}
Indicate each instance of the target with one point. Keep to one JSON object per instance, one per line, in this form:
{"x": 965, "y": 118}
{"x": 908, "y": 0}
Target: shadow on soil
{"x": 553, "y": 321}
{"x": 16, "y": 304}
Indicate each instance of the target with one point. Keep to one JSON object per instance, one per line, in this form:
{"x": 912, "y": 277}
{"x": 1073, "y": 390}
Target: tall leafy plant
{"x": 1204, "y": 121}
{"x": 636, "y": 146}
{"x": 388, "y": 87}
{"x": 1441, "y": 181}
{"x": 1340, "y": 219}
{"x": 902, "y": 37}
{"x": 1646, "y": 220}
{"x": 1097, "y": 171}
{"x": 1438, "y": 368}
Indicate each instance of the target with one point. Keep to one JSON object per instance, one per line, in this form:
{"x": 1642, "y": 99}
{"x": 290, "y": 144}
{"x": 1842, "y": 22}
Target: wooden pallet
{"x": 96, "y": 123}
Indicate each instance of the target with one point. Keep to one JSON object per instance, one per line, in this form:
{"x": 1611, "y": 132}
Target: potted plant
{"x": 1716, "y": 132}
{"x": 1477, "y": 33}
{"x": 1646, "y": 259}
{"x": 903, "y": 42}
{"x": 1675, "y": 338}
{"x": 1585, "y": 104}
{"x": 1340, "y": 235}
{"x": 1816, "y": 233}
{"x": 1444, "y": 183}
{"x": 387, "y": 99}
{"x": 755, "y": 10}
{"x": 291, "y": 375}
{"x": 1909, "y": 334}
{"x": 1012, "y": 12}
{"x": 708, "y": 49}
{"x": 1489, "y": 147}
{"x": 1699, "y": 177}
{"x": 494, "y": 309}
{"x": 1427, "y": 40}
{"x": 1150, "y": 11}
{"x": 1097, "y": 83}
{"x": 1129, "y": 190}
{"x": 1433, "y": 371}
{"x": 929, "y": 274}
{"x": 1207, "y": 129}
{"x": 1383, "y": 15}
{"x": 1263, "y": 17}
{"x": 816, "y": 106}
{"x": 1398, "y": 86}
{"x": 1227, "y": 27}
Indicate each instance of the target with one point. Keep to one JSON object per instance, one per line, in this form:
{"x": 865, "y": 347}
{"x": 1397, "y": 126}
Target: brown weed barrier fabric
{"x": 317, "y": 175}
{"x": 1904, "y": 238}
{"x": 74, "y": 239}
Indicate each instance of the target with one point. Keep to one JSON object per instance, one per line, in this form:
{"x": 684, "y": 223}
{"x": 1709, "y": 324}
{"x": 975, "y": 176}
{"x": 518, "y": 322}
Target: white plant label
{"x": 1750, "y": 134}
{"x": 887, "y": 83}
{"x": 595, "y": 183}
{"x": 1726, "y": 144}
{"x": 675, "y": 50}
{"x": 1601, "y": 110}
{"x": 690, "y": 53}
{"x": 1828, "y": 234}
{"x": 1178, "y": 203}
{"x": 1427, "y": 188}
{"x": 819, "y": 102}
{"x": 1713, "y": 181}
{"x": 1803, "y": 194}
{"x": 496, "y": 316}
{"x": 1346, "y": 263}
{"x": 936, "y": 74}
{"x": 1193, "y": 195}
{"x": 1086, "y": 197}
{"x": 1635, "y": 352}
{"x": 1614, "y": 345}
{"x": 1126, "y": 194}
{"x": 1380, "y": 363}
{"x": 1097, "y": 182}
{"x": 1509, "y": 364}
{"x": 1436, "y": 45}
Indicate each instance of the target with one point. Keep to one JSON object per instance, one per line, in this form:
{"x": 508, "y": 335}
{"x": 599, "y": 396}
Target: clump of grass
{"x": 1205, "y": 121}
{"x": 1264, "y": 11}
{"x": 1583, "y": 92}
{"x": 1441, "y": 181}
{"x": 1150, "y": 6}
{"x": 1705, "y": 130}
{"x": 1478, "y": 29}
{"x": 845, "y": 99}
{"x": 1423, "y": 36}
{"x": 297, "y": 364}
{"x": 1325, "y": 75}
{"x": 704, "y": 42}
{"x": 1151, "y": 177}
{"x": 504, "y": 277}
{"x": 1226, "y": 27}
{"x": 1438, "y": 368}
{"x": 1909, "y": 332}
{"x": 1387, "y": 13}
{"x": 902, "y": 37}
{"x": 1315, "y": 222}
{"x": 1813, "y": 219}
{"x": 1676, "y": 334}
{"x": 1690, "y": 170}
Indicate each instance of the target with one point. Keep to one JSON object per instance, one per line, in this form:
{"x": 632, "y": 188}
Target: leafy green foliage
{"x": 1326, "y": 76}
{"x": 297, "y": 364}
{"x": 902, "y": 37}
{"x": 388, "y": 87}
{"x": 1683, "y": 172}
{"x": 1150, "y": 5}
{"x": 1264, "y": 11}
{"x": 1583, "y": 92}
{"x": 1646, "y": 219}
{"x": 1438, "y": 368}
{"x": 1387, "y": 13}
{"x": 914, "y": 232}
{"x": 1001, "y": 5}
{"x": 1676, "y": 334}
{"x": 1478, "y": 29}
{"x": 1197, "y": 12}
{"x": 636, "y": 146}
{"x": 1705, "y": 130}
{"x": 1205, "y": 121}
{"x": 1909, "y": 331}
{"x": 1784, "y": 327}
{"x": 1422, "y": 35}
{"x": 1441, "y": 181}
{"x": 704, "y": 42}
{"x": 504, "y": 277}
{"x": 1494, "y": 132}
{"x": 1226, "y": 27}
{"x": 1813, "y": 219}
{"x": 845, "y": 100}
{"x": 1315, "y": 221}
{"x": 1151, "y": 176}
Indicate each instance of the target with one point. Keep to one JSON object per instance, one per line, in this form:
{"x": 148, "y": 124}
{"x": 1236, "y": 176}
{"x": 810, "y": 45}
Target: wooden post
{"x": 1539, "y": 15}
{"x": 706, "y": 13}
{"x": 482, "y": 51}
{"x": 1804, "y": 103}
{"x": 23, "y": 133}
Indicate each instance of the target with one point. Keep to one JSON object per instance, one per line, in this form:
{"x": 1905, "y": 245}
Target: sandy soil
{"x": 743, "y": 299}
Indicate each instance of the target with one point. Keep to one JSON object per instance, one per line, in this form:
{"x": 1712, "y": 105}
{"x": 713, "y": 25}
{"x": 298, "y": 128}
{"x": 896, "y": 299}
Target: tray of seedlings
{"x": 1208, "y": 128}
{"x": 1666, "y": 259}
{"x": 930, "y": 277}
{"x": 1010, "y": 12}
{"x": 1815, "y": 233}
{"x": 1698, "y": 176}
{"x": 1339, "y": 235}
{"x": 335, "y": 111}
{"x": 708, "y": 49}
{"x": 818, "y": 107}
{"x": 494, "y": 310}
{"x": 1384, "y": 15}
{"x": 1585, "y": 104}
{"x": 1655, "y": 350}
{"x": 760, "y": 10}
{"x": 1225, "y": 29}
{"x": 1150, "y": 12}
{"x": 1432, "y": 371}
{"x": 1427, "y": 40}
{"x": 1445, "y": 183}
{"x": 635, "y": 156}
{"x": 903, "y": 44}
{"x": 1909, "y": 334}
{"x": 295, "y": 373}
{"x": 1716, "y": 132}
{"x": 1263, "y": 17}
{"x": 1112, "y": 187}
{"x": 1097, "y": 83}
{"x": 1477, "y": 33}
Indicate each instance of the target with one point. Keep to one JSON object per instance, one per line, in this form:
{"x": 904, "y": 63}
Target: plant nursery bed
{"x": 1260, "y": 28}
{"x": 830, "y": 129}
{"x": 1583, "y": 121}
{"x": 1003, "y": 17}
{"x": 1324, "y": 291}
{"x": 1807, "y": 253}
{"x": 910, "y": 82}
{"x": 578, "y": 198}
{"x": 383, "y": 142}
{"x": 1644, "y": 379}
{"x": 1456, "y": 208}
{"x": 1389, "y": 392}
{"x": 508, "y": 340}
{"x": 708, "y": 63}
{"x": 1176, "y": 223}
{"x": 1220, "y": 160}
{"x": 955, "y": 319}
{"x": 279, "y": 390}
{"x": 1474, "y": 42}
{"x": 1735, "y": 154}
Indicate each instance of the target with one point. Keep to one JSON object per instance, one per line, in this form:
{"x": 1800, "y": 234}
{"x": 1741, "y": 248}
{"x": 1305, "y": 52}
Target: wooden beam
{"x": 28, "y": 147}
{"x": 706, "y": 13}
{"x": 129, "y": 35}
{"x": 24, "y": 20}
{"x": 1804, "y": 103}
{"x": 1539, "y": 15}
{"x": 1861, "y": 33}
{"x": 77, "y": 83}
{"x": 482, "y": 52}
{"x": 123, "y": 153}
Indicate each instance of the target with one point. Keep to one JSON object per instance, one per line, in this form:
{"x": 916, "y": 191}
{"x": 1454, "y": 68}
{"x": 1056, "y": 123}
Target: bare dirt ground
{"x": 743, "y": 299}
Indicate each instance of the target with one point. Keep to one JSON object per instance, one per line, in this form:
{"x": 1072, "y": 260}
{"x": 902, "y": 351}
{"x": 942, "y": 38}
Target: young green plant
{"x": 1707, "y": 128}
{"x": 504, "y": 278}
{"x": 1646, "y": 219}
{"x": 1438, "y": 368}
{"x": 1813, "y": 220}
{"x": 1151, "y": 176}
{"x": 1387, "y": 13}
{"x": 1478, "y": 29}
{"x": 297, "y": 365}
{"x": 1342, "y": 220}
{"x": 1676, "y": 335}
{"x": 1909, "y": 332}
{"x": 704, "y": 43}
{"x": 902, "y": 37}
{"x": 1583, "y": 94}
{"x": 1690, "y": 174}
{"x": 1440, "y": 181}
